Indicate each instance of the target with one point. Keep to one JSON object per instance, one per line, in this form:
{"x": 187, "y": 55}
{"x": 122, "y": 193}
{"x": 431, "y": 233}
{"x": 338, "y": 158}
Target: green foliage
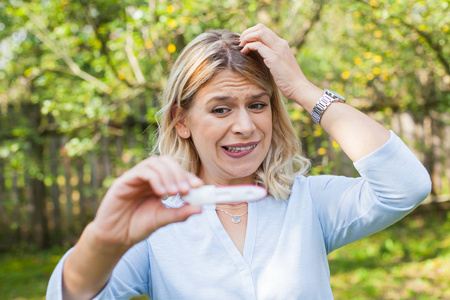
{"x": 406, "y": 261}
{"x": 25, "y": 274}
{"x": 91, "y": 69}
{"x": 87, "y": 61}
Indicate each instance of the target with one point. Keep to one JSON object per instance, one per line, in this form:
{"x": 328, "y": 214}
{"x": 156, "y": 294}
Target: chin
{"x": 242, "y": 173}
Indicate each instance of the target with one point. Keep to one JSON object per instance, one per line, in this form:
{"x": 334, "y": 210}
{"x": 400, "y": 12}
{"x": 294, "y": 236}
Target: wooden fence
{"x": 47, "y": 196}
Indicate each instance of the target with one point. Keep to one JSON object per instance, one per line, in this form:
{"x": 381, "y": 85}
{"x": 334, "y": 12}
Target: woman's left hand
{"x": 279, "y": 58}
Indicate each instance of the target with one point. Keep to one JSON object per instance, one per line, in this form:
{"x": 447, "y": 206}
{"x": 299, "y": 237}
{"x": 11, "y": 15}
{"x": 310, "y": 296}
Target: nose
{"x": 243, "y": 123}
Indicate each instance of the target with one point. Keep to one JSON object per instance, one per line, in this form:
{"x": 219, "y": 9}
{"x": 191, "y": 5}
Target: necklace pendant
{"x": 236, "y": 219}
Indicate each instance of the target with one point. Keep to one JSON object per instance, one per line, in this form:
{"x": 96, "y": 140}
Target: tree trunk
{"x": 2, "y": 172}
{"x": 68, "y": 192}
{"x": 131, "y": 143}
{"x": 35, "y": 157}
{"x": 82, "y": 200}
{"x": 16, "y": 222}
{"x": 94, "y": 182}
{"x": 446, "y": 149}
{"x": 428, "y": 153}
{"x": 54, "y": 189}
{"x": 2, "y": 189}
{"x": 419, "y": 147}
{"x": 40, "y": 222}
{"x": 105, "y": 157}
{"x": 438, "y": 168}
{"x": 29, "y": 207}
{"x": 118, "y": 143}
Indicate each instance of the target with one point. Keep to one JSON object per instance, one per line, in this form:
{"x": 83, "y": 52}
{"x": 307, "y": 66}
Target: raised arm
{"x": 356, "y": 133}
{"x": 393, "y": 181}
{"x": 130, "y": 211}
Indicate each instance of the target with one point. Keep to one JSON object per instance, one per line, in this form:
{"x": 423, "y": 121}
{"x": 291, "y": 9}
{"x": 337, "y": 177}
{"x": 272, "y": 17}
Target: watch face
{"x": 334, "y": 94}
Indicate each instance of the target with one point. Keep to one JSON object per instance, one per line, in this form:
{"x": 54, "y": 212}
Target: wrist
{"x": 88, "y": 267}
{"x": 103, "y": 242}
{"x": 307, "y": 96}
{"x": 324, "y": 102}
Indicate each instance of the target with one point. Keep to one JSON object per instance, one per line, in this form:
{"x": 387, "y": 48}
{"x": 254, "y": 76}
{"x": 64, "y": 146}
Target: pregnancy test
{"x": 210, "y": 194}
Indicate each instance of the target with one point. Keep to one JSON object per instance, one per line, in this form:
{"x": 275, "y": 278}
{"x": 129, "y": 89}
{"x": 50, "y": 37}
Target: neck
{"x": 234, "y": 208}
{"x": 232, "y": 205}
{"x": 215, "y": 179}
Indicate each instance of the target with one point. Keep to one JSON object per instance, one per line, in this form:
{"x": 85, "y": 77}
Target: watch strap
{"x": 327, "y": 98}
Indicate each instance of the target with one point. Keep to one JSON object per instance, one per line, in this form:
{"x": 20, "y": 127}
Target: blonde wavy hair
{"x": 208, "y": 54}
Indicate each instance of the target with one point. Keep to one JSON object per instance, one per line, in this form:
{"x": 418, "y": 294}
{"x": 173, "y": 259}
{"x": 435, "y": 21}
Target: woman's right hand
{"x": 132, "y": 210}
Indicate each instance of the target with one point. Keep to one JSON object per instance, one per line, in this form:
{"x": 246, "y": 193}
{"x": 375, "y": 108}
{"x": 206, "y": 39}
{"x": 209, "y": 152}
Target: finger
{"x": 162, "y": 174}
{"x": 162, "y": 215}
{"x": 267, "y": 37}
{"x": 135, "y": 181}
{"x": 174, "y": 177}
{"x": 155, "y": 182}
{"x": 194, "y": 181}
{"x": 152, "y": 215}
{"x": 259, "y": 33}
{"x": 165, "y": 173}
{"x": 262, "y": 49}
{"x": 180, "y": 175}
{"x": 252, "y": 29}
{"x": 172, "y": 215}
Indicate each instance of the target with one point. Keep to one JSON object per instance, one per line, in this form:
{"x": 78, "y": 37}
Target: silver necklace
{"x": 235, "y": 218}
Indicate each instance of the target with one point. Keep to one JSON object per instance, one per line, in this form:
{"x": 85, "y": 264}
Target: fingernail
{"x": 184, "y": 186}
{"x": 162, "y": 190}
{"x": 195, "y": 181}
{"x": 173, "y": 188}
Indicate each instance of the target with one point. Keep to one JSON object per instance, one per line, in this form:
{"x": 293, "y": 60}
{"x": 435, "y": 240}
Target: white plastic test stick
{"x": 209, "y": 194}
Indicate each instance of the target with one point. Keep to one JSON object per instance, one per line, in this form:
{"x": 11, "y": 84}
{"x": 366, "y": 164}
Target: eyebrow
{"x": 260, "y": 95}
{"x": 223, "y": 98}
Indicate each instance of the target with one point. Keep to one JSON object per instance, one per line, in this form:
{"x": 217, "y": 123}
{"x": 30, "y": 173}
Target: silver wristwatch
{"x": 327, "y": 98}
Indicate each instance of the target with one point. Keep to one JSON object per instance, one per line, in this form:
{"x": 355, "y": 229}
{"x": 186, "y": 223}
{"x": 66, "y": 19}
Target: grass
{"x": 410, "y": 260}
{"x": 25, "y": 274}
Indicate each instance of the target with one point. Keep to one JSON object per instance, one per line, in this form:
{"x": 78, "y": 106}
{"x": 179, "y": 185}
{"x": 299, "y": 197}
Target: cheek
{"x": 204, "y": 130}
{"x": 205, "y": 136}
{"x": 267, "y": 125}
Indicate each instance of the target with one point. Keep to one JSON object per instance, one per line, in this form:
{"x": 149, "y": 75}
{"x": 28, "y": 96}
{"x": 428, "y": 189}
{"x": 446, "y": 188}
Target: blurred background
{"x": 80, "y": 84}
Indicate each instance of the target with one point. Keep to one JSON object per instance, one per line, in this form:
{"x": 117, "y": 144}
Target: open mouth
{"x": 239, "y": 149}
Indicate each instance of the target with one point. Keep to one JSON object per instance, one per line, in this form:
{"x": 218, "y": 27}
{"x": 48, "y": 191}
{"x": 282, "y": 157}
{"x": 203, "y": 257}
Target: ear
{"x": 181, "y": 127}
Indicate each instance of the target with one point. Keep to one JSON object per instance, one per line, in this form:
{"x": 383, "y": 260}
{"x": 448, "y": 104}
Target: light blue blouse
{"x": 286, "y": 243}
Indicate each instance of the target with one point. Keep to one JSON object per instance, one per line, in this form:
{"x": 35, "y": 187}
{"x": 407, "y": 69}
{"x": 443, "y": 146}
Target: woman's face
{"x": 230, "y": 123}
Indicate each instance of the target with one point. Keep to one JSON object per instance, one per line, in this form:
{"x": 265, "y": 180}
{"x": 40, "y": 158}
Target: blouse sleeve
{"x": 392, "y": 183}
{"x": 129, "y": 278}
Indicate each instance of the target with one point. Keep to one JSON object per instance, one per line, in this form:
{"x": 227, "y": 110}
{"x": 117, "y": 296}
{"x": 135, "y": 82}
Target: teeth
{"x": 237, "y": 149}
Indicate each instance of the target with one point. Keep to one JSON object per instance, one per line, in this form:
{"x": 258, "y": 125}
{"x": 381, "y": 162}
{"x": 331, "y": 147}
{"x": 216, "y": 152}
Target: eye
{"x": 257, "y": 106}
{"x": 221, "y": 110}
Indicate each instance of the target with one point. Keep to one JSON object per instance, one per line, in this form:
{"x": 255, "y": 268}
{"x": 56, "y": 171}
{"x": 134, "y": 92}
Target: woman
{"x": 224, "y": 123}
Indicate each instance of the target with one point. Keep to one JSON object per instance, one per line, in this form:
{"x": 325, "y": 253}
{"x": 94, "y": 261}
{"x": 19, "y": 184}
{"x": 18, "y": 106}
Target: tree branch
{"x": 42, "y": 34}
{"x": 300, "y": 41}
{"x": 131, "y": 57}
{"x": 104, "y": 48}
{"x": 436, "y": 48}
